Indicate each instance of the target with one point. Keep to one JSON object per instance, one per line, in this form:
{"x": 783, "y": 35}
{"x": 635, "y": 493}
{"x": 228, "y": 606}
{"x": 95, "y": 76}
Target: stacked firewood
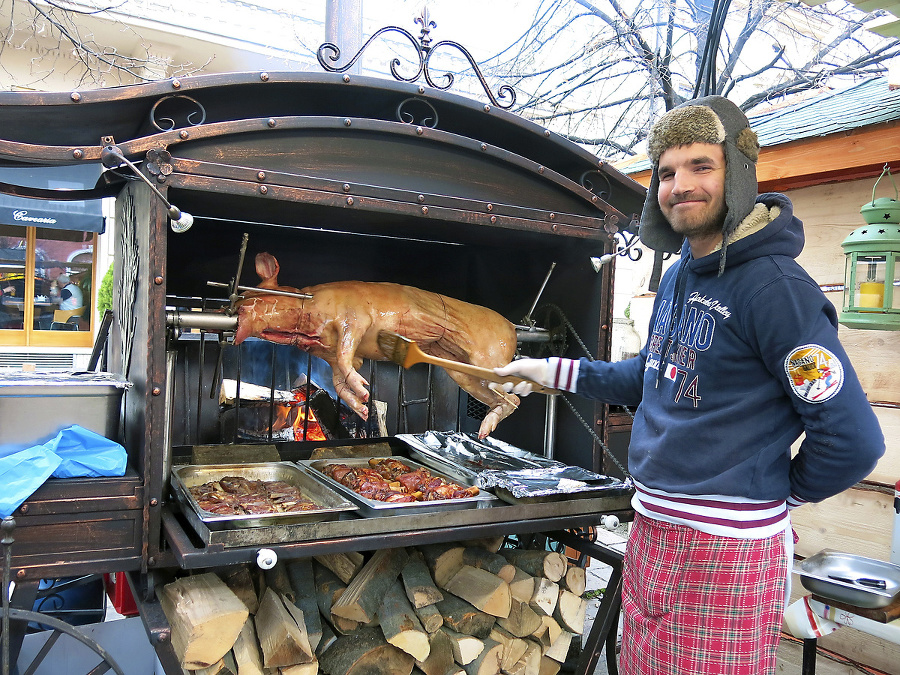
{"x": 444, "y": 609}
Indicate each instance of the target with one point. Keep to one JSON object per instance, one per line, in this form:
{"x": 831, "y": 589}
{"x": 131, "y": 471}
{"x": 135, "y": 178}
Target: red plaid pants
{"x": 697, "y": 603}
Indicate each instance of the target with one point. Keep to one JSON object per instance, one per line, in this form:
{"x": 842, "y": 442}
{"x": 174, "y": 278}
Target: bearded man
{"x": 742, "y": 358}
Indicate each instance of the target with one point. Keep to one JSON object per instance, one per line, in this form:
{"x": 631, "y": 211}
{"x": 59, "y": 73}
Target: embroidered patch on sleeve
{"x": 816, "y": 374}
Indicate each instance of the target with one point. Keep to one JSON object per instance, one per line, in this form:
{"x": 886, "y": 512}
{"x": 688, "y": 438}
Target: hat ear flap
{"x": 748, "y": 143}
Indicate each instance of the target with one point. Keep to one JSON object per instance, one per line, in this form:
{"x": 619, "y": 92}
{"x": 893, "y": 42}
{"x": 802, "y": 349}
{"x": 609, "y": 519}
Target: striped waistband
{"x": 720, "y": 515}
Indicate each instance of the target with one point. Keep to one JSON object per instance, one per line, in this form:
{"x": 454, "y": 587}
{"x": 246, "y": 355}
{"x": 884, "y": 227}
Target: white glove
{"x": 554, "y": 373}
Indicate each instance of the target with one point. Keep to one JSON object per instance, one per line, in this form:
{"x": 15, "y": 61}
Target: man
{"x": 70, "y": 296}
{"x": 742, "y": 357}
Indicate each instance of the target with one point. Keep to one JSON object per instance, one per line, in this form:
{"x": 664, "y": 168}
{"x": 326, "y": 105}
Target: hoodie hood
{"x": 769, "y": 229}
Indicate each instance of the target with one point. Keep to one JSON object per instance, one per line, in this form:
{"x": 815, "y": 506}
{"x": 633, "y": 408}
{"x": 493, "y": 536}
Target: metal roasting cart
{"x": 341, "y": 177}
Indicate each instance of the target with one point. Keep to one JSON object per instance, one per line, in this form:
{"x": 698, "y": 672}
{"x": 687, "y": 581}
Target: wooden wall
{"x": 859, "y": 520}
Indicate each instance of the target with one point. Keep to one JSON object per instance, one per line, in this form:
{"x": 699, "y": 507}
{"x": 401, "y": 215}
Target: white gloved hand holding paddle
{"x": 554, "y": 373}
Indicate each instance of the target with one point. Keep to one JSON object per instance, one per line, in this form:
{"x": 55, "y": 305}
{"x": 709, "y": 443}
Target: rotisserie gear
{"x": 390, "y": 480}
{"x": 235, "y": 495}
{"x": 341, "y": 323}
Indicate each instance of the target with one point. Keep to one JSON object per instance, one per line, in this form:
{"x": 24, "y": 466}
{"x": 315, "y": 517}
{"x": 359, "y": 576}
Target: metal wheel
{"x": 59, "y": 628}
{"x": 11, "y": 640}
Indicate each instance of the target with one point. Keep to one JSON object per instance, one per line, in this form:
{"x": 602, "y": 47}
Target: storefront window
{"x": 13, "y": 256}
{"x": 46, "y": 276}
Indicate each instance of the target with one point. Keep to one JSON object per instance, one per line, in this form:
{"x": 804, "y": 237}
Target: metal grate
{"x": 476, "y": 409}
{"x": 50, "y": 361}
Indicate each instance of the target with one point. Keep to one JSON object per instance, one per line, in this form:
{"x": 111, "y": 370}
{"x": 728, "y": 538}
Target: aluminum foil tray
{"x": 516, "y": 476}
{"x": 851, "y": 579}
{"x": 373, "y": 507}
{"x": 466, "y": 457}
{"x": 187, "y": 476}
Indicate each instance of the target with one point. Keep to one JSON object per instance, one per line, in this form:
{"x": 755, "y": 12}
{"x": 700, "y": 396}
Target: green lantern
{"x": 872, "y": 273}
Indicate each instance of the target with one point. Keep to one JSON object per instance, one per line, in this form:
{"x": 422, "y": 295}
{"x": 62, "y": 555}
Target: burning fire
{"x": 313, "y": 428}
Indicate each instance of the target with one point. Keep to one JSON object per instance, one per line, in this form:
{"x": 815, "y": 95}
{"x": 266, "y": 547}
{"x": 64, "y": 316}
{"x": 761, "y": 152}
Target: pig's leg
{"x": 501, "y": 405}
{"x": 348, "y": 383}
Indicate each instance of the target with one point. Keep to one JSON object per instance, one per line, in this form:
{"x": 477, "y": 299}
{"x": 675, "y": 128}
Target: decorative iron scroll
{"x": 625, "y": 245}
{"x": 588, "y": 184}
{"x": 177, "y": 106}
{"x": 418, "y": 111}
{"x": 329, "y": 53}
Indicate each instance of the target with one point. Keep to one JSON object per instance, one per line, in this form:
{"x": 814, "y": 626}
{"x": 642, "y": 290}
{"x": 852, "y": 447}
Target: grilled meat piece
{"x": 341, "y": 322}
{"x": 390, "y": 480}
{"x": 236, "y": 496}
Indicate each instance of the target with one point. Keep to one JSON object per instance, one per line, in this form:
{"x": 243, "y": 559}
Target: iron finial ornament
{"x": 329, "y": 54}
{"x": 425, "y": 33}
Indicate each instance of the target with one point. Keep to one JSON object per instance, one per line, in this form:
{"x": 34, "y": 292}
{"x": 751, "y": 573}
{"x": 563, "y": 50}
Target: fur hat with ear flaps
{"x": 711, "y": 119}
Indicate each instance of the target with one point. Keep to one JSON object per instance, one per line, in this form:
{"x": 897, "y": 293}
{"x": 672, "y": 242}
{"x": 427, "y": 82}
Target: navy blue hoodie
{"x": 747, "y": 362}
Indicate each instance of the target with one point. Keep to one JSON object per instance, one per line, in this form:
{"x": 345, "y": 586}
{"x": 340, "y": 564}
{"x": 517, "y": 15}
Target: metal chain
{"x": 597, "y": 438}
{"x": 575, "y": 412}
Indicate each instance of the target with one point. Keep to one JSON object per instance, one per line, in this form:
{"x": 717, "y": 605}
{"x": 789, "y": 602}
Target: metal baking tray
{"x": 187, "y": 476}
{"x": 851, "y": 579}
{"x": 372, "y": 507}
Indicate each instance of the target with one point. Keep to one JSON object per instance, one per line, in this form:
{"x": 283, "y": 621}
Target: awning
{"x": 83, "y": 216}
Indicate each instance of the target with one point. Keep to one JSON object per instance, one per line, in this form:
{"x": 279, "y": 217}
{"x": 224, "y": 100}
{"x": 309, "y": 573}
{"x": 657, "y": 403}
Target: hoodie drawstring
{"x": 675, "y": 315}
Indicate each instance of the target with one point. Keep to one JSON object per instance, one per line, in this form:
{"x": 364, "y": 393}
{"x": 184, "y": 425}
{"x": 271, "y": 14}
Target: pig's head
{"x": 276, "y": 318}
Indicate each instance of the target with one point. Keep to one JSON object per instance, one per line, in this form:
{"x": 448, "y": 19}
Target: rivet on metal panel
{"x": 75, "y": 96}
{"x": 158, "y": 280}
{"x": 487, "y": 108}
{"x": 271, "y": 122}
{"x": 154, "y": 502}
{"x": 540, "y": 169}
{"x": 424, "y": 210}
{"x": 183, "y": 134}
{"x": 156, "y": 391}
{"x": 490, "y": 207}
{"x": 420, "y": 130}
{"x": 600, "y": 163}
{"x": 604, "y": 327}
{"x": 346, "y": 78}
{"x": 594, "y": 199}
{"x": 346, "y": 122}
{"x": 547, "y": 133}
{"x": 346, "y": 187}
{"x": 554, "y": 227}
{"x": 161, "y": 178}
{"x": 77, "y": 154}
{"x": 151, "y": 561}
{"x": 264, "y": 77}
{"x": 162, "y": 637}
{"x": 263, "y": 189}
{"x": 20, "y": 574}
{"x": 552, "y": 216}
{"x": 421, "y": 198}
{"x": 484, "y": 146}
{"x": 176, "y": 84}
{"x": 349, "y": 201}
{"x": 23, "y": 509}
{"x": 421, "y": 89}
{"x": 261, "y": 175}
{"x": 493, "y": 219}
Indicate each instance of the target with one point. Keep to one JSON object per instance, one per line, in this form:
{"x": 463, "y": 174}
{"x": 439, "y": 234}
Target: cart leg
{"x": 604, "y": 628}
{"x": 22, "y": 597}
{"x": 809, "y": 656}
{"x": 157, "y": 625}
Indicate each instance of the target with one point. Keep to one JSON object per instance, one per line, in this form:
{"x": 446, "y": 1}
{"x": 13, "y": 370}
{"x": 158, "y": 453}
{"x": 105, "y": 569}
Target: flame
{"x": 313, "y": 428}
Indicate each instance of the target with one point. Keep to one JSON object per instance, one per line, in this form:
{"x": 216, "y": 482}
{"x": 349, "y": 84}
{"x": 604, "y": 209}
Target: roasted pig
{"x": 341, "y": 323}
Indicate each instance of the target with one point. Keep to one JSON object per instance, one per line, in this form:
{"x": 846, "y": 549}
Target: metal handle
{"x": 885, "y": 170}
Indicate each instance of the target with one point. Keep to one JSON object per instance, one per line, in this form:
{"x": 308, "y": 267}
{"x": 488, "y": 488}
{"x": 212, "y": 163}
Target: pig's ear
{"x": 267, "y": 268}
